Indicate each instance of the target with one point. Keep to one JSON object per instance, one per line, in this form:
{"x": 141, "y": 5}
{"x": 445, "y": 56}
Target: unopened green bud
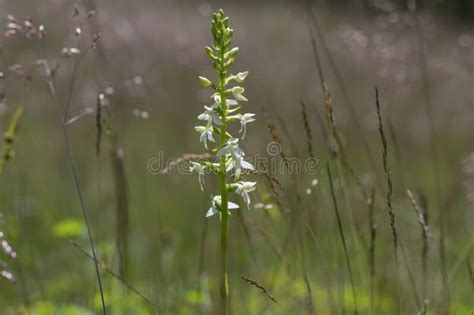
{"x": 205, "y": 82}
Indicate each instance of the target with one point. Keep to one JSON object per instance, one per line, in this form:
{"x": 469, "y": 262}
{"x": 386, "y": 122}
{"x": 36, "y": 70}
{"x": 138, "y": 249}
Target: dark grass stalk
{"x": 61, "y": 116}
{"x": 386, "y": 168}
{"x": 98, "y": 124}
{"x": 342, "y": 236}
{"x": 267, "y": 175}
{"x": 116, "y": 276}
{"x": 338, "y": 151}
{"x": 432, "y": 128}
{"x": 259, "y": 286}
{"x": 311, "y": 17}
{"x": 388, "y": 176}
{"x": 372, "y": 240}
{"x": 425, "y": 247}
{"x": 307, "y": 129}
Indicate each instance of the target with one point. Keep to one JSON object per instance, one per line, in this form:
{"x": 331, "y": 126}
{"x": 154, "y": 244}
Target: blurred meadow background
{"x": 158, "y": 252}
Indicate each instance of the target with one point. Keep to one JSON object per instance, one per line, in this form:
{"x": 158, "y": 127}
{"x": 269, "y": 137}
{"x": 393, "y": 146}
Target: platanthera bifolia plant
{"x": 229, "y": 156}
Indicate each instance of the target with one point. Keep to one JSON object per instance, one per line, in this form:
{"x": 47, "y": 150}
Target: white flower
{"x": 238, "y": 163}
{"x": 217, "y": 100}
{"x": 216, "y": 206}
{"x": 244, "y": 119}
{"x": 240, "y": 77}
{"x": 243, "y": 189}
{"x": 206, "y": 134}
{"x": 232, "y": 102}
{"x": 200, "y": 169}
{"x": 231, "y": 147}
{"x": 210, "y": 116}
{"x": 236, "y": 157}
{"x": 237, "y": 93}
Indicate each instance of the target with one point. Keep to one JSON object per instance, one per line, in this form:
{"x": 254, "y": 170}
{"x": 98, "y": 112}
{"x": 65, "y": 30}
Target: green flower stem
{"x": 217, "y": 117}
{"x": 224, "y": 286}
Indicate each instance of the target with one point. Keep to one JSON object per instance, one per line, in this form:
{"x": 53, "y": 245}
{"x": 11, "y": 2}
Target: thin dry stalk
{"x": 52, "y": 89}
{"x": 421, "y": 216}
{"x": 388, "y": 176}
{"x": 270, "y": 177}
{"x": 373, "y": 236}
{"x": 74, "y": 71}
{"x": 338, "y": 151}
{"x": 425, "y": 249}
{"x": 386, "y": 168}
{"x": 98, "y": 123}
{"x": 259, "y": 286}
{"x": 307, "y": 129}
{"x": 422, "y": 220}
{"x": 426, "y": 237}
{"x": 342, "y": 236}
